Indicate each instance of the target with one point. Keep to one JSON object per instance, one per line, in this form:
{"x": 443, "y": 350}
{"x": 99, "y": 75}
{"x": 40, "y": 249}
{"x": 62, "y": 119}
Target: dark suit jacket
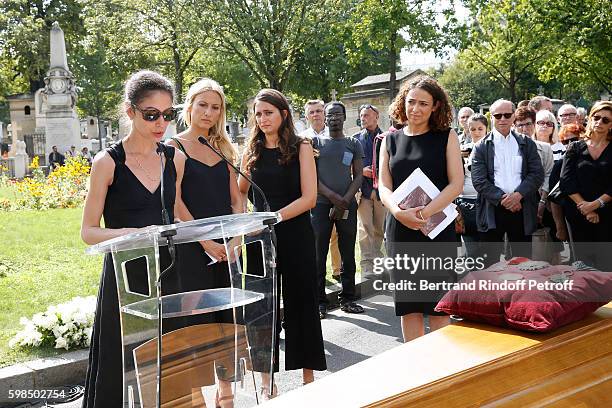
{"x": 489, "y": 195}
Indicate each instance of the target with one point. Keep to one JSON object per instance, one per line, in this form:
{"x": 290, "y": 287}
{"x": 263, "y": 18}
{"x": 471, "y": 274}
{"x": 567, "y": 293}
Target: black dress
{"x": 591, "y": 178}
{"x": 205, "y": 192}
{"x": 295, "y": 263}
{"x": 406, "y": 154}
{"x": 128, "y": 204}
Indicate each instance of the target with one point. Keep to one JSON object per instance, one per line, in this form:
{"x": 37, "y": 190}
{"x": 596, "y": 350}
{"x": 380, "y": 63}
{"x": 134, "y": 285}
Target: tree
{"x": 580, "y": 36}
{"x": 385, "y": 25}
{"x": 25, "y": 26}
{"x": 469, "y": 84}
{"x": 160, "y": 34}
{"x": 269, "y": 36}
{"x": 507, "y": 40}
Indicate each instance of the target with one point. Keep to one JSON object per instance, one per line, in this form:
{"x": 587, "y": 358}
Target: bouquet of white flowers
{"x": 67, "y": 326}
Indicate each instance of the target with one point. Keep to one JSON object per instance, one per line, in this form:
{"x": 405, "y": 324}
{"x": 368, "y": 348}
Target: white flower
{"x": 61, "y": 342}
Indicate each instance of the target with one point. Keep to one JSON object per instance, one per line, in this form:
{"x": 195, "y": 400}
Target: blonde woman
{"x": 209, "y": 188}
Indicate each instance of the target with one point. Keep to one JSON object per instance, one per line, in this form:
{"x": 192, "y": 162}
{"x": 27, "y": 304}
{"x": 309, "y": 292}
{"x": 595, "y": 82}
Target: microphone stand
{"x": 169, "y": 234}
{"x": 268, "y": 222}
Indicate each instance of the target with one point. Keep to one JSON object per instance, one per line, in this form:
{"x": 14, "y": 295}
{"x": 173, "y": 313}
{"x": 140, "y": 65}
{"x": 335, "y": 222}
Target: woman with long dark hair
{"x": 283, "y": 165}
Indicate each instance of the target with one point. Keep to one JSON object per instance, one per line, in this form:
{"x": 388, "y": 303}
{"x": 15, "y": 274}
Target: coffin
{"x": 469, "y": 364}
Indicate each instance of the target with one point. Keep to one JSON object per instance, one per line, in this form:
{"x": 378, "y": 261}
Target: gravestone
{"x": 59, "y": 95}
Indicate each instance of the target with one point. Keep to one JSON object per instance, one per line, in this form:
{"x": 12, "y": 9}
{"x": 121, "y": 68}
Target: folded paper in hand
{"x": 418, "y": 190}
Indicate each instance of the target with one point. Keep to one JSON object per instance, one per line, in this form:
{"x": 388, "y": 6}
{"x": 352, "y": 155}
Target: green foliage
{"x": 269, "y": 36}
{"x": 48, "y": 266}
{"x": 468, "y": 84}
{"x": 581, "y": 38}
{"x": 24, "y": 35}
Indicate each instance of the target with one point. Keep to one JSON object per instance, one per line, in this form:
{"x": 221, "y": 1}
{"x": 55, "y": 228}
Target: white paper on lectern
{"x": 420, "y": 179}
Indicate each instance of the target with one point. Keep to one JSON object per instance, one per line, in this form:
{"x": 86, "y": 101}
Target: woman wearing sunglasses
{"x": 209, "y": 188}
{"x": 586, "y": 180}
{"x": 125, "y": 190}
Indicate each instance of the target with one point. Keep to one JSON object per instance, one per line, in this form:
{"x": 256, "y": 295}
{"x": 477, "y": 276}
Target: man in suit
{"x": 55, "y": 158}
{"x": 506, "y": 173}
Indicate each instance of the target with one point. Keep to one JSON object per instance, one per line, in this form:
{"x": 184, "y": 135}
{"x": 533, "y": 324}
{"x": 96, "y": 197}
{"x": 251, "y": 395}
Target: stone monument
{"x": 58, "y": 98}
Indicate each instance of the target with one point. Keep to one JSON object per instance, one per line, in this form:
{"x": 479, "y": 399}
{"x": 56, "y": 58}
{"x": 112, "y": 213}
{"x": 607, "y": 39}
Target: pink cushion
{"x": 534, "y": 309}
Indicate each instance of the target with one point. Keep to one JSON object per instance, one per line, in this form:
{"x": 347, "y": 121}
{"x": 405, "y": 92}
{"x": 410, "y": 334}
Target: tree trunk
{"x": 392, "y": 66}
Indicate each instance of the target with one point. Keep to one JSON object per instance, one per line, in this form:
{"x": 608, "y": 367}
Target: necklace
{"x": 140, "y": 166}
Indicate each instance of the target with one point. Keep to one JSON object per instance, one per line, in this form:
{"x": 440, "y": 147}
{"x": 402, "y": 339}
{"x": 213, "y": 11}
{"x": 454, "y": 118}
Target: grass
{"x": 47, "y": 265}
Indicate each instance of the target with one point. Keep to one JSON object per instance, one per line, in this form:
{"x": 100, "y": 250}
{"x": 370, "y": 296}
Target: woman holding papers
{"x": 422, "y": 265}
{"x": 209, "y": 189}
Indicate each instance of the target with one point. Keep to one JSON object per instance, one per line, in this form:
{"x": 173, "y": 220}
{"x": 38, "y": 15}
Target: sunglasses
{"x": 597, "y": 118}
{"x": 570, "y": 140}
{"x": 368, "y": 106}
{"x": 567, "y": 115}
{"x": 152, "y": 114}
{"x": 505, "y": 115}
{"x": 544, "y": 123}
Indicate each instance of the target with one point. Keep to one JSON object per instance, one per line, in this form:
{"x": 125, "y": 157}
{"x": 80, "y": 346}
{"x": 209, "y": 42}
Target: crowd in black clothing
{"x": 323, "y": 183}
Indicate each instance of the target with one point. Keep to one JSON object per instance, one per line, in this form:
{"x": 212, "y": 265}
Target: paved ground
{"x": 349, "y": 339}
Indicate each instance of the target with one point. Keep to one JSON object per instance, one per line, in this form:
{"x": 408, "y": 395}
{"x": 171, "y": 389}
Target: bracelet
{"x": 543, "y": 201}
{"x": 602, "y": 203}
{"x": 420, "y": 214}
{"x": 280, "y": 216}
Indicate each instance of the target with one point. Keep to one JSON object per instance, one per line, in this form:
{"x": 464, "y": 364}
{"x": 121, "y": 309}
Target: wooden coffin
{"x": 469, "y": 364}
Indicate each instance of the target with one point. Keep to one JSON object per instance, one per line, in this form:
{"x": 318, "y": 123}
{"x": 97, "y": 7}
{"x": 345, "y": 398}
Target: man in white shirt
{"x": 506, "y": 173}
{"x": 316, "y": 119}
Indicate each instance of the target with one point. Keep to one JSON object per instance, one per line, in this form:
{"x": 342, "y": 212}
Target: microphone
{"x": 161, "y": 151}
{"x": 205, "y": 142}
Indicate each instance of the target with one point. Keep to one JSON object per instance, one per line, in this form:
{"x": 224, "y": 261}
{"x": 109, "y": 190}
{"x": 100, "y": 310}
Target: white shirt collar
{"x": 498, "y": 137}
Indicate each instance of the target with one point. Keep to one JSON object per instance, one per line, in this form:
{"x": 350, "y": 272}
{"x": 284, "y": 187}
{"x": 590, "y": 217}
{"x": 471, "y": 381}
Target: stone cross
{"x": 333, "y": 94}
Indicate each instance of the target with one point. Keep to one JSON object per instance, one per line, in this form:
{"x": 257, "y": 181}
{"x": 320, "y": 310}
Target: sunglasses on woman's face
{"x": 505, "y": 115}
{"x": 597, "y": 118}
{"x": 152, "y": 114}
{"x": 544, "y": 123}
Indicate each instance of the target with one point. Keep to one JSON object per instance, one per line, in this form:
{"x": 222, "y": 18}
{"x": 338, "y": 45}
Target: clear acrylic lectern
{"x": 197, "y": 359}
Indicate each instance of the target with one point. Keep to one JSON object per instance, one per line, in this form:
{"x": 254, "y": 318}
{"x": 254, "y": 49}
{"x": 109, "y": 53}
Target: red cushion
{"x": 539, "y": 310}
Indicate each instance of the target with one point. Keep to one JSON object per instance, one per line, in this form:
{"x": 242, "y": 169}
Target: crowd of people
{"x": 58, "y": 159}
{"x": 331, "y": 189}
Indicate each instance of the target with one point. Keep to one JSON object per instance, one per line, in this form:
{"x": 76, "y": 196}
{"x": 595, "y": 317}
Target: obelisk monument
{"x": 61, "y": 122}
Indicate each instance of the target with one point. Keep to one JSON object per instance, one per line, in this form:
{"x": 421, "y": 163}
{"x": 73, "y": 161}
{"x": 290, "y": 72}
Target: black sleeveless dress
{"x": 406, "y": 154}
{"x": 205, "y": 192}
{"x": 128, "y": 204}
{"x": 295, "y": 263}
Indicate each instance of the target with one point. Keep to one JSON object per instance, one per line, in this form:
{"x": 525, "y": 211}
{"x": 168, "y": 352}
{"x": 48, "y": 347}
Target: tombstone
{"x": 61, "y": 122}
{"x": 20, "y": 159}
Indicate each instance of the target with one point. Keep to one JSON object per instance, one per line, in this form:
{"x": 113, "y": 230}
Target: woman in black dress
{"x": 125, "y": 190}
{"x": 428, "y": 143}
{"x": 283, "y": 165}
{"x": 586, "y": 177}
{"x": 209, "y": 189}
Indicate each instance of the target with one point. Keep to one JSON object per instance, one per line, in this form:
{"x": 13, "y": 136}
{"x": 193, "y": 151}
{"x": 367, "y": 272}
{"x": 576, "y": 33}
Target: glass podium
{"x": 210, "y": 362}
